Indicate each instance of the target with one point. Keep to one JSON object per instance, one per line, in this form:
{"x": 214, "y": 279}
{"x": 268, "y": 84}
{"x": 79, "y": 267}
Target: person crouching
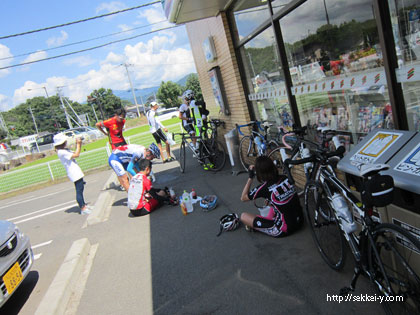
{"x": 142, "y": 197}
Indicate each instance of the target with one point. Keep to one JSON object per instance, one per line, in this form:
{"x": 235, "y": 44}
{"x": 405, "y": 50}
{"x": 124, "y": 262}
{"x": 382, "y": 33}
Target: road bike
{"x": 256, "y": 144}
{"x": 209, "y": 153}
{"x": 385, "y": 252}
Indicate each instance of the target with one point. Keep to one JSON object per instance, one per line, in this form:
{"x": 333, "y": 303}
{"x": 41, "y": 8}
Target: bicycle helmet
{"x": 208, "y": 202}
{"x": 228, "y": 222}
{"x": 155, "y": 150}
{"x": 188, "y": 95}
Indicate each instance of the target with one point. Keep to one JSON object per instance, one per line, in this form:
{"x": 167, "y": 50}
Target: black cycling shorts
{"x": 159, "y": 136}
{"x": 189, "y": 128}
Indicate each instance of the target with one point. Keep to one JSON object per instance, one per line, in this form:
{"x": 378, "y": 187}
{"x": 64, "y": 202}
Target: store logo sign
{"x": 377, "y": 77}
{"x": 352, "y": 82}
{"x": 332, "y": 84}
{"x": 410, "y": 73}
{"x": 341, "y": 83}
{"x": 364, "y": 80}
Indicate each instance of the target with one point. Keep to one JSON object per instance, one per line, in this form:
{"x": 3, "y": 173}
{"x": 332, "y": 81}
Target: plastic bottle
{"x": 258, "y": 142}
{"x": 172, "y": 193}
{"x": 187, "y": 201}
{"x": 305, "y": 154}
{"x": 183, "y": 208}
{"x": 193, "y": 194}
{"x": 346, "y": 218}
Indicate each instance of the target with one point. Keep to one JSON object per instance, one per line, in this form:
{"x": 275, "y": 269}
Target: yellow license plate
{"x": 12, "y": 278}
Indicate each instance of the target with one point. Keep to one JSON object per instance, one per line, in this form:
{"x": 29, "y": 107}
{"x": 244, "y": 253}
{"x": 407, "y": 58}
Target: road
{"x": 167, "y": 263}
{"x": 50, "y": 217}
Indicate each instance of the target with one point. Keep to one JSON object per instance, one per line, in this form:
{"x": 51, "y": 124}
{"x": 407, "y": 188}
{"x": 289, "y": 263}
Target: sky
{"x": 150, "y": 58}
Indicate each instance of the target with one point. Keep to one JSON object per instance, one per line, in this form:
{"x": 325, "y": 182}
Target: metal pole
{"x": 132, "y": 90}
{"x": 65, "y": 110}
{"x": 33, "y": 118}
{"x": 51, "y": 108}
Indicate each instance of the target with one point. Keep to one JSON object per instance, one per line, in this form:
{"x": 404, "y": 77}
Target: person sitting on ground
{"x": 74, "y": 172}
{"x": 124, "y": 159}
{"x": 114, "y": 128}
{"x": 157, "y": 133}
{"x": 142, "y": 197}
{"x": 285, "y": 215}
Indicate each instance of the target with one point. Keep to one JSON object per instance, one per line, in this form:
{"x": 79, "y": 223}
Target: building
{"x": 351, "y": 65}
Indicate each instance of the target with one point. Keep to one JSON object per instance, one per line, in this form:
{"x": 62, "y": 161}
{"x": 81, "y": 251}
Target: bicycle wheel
{"x": 398, "y": 252}
{"x": 324, "y": 226}
{"x": 181, "y": 159}
{"x": 248, "y": 151}
{"x": 217, "y": 155}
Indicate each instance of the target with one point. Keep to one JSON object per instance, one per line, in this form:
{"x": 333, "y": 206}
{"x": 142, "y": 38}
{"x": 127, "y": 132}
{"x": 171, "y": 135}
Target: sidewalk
{"x": 167, "y": 263}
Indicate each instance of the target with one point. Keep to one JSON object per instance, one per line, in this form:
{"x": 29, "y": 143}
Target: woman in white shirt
{"x": 74, "y": 172}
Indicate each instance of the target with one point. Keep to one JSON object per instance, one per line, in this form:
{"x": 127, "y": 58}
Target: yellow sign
{"x": 13, "y": 277}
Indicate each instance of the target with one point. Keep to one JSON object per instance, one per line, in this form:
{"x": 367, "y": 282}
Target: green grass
{"x": 99, "y": 143}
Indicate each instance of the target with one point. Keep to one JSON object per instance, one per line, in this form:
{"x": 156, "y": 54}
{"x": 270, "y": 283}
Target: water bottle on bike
{"x": 344, "y": 214}
{"x": 261, "y": 145}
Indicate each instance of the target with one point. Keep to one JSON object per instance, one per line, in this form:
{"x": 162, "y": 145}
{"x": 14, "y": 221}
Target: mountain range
{"x": 144, "y": 93}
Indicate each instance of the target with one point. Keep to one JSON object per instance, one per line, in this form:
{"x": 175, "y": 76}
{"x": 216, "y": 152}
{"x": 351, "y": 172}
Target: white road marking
{"x": 44, "y": 214}
{"x": 29, "y": 197}
{"x": 27, "y": 200}
{"x": 37, "y": 256}
{"x": 31, "y": 213}
{"x": 42, "y": 244}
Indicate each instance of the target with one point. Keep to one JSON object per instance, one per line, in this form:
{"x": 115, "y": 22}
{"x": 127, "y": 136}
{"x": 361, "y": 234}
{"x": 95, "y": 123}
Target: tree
{"x": 193, "y": 84}
{"x": 106, "y": 103}
{"x": 3, "y": 134}
{"x": 168, "y": 94}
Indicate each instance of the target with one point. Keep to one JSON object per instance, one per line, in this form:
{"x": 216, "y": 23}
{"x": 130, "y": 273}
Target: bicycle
{"x": 210, "y": 153}
{"x": 384, "y": 252}
{"x": 256, "y": 144}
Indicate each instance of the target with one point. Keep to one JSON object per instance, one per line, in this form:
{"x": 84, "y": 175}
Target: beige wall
{"x": 218, "y": 28}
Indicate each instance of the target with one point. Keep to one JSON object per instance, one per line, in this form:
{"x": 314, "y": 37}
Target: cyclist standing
{"x": 157, "y": 133}
{"x": 194, "y": 118}
{"x": 114, "y": 128}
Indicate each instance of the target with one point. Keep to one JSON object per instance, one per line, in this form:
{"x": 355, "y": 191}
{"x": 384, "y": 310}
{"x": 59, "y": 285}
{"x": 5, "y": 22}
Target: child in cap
{"x": 73, "y": 170}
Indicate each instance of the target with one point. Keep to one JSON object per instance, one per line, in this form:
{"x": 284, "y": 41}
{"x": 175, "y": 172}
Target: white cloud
{"x": 5, "y": 53}
{"x": 40, "y": 54}
{"x": 5, "y": 103}
{"x": 57, "y": 41}
{"x": 108, "y": 7}
{"x": 82, "y": 61}
{"x": 125, "y": 28}
{"x": 152, "y": 15}
{"x": 150, "y": 64}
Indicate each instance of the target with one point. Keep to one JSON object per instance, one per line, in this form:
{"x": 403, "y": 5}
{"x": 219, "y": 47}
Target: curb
{"x": 59, "y": 292}
{"x": 98, "y": 212}
{"x": 111, "y": 182}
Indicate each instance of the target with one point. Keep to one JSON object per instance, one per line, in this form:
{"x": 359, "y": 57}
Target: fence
{"x": 53, "y": 170}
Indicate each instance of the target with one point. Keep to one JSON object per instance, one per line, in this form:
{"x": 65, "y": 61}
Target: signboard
{"x": 378, "y": 146}
{"x": 218, "y": 89}
{"x": 375, "y": 147}
{"x": 26, "y": 141}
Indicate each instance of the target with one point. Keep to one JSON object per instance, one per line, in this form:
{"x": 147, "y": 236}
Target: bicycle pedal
{"x": 345, "y": 291}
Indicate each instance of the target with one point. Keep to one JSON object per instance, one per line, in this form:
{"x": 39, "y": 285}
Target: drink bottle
{"x": 346, "y": 218}
{"x": 187, "y": 201}
{"x": 172, "y": 193}
{"x": 193, "y": 194}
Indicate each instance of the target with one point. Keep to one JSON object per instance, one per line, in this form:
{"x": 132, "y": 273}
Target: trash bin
{"x": 232, "y": 144}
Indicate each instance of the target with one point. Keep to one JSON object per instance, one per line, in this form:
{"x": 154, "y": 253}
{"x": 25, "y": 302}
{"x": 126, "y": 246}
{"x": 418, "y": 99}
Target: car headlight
{"x": 18, "y": 232}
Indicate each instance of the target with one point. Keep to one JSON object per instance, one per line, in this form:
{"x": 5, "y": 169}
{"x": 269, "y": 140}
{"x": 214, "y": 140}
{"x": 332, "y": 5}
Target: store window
{"x": 278, "y": 5}
{"x": 249, "y": 14}
{"x": 336, "y": 66}
{"x": 405, "y": 19}
{"x": 265, "y": 80}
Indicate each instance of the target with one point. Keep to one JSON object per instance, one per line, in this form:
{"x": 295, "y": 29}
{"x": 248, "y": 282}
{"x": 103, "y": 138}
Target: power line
{"x": 79, "y": 21}
{"x": 82, "y": 41}
{"x": 87, "y": 49}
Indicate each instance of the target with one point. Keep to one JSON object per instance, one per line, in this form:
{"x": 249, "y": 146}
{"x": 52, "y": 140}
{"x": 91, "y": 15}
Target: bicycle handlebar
{"x": 252, "y": 123}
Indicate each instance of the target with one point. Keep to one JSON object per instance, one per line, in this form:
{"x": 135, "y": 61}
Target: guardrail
{"x": 49, "y": 171}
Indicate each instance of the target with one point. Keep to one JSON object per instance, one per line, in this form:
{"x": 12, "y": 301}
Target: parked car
{"x": 16, "y": 259}
{"x": 4, "y": 152}
{"x": 93, "y": 133}
{"x": 42, "y": 142}
{"x": 167, "y": 113}
{"x": 72, "y": 134}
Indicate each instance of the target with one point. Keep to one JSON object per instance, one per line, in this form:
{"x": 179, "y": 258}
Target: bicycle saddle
{"x": 370, "y": 169}
{"x": 324, "y": 129}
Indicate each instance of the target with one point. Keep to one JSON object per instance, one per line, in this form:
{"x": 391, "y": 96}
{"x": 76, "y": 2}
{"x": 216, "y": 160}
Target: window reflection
{"x": 249, "y": 14}
{"x": 405, "y": 19}
{"x": 266, "y": 81}
{"x": 336, "y": 65}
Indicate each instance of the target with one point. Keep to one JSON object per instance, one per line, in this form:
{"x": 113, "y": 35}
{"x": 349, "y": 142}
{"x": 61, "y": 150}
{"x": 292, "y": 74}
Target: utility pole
{"x": 51, "y": 108}
{"x": 64, "y": 108}
{"x": 3, "y": 125}
{"x": 132, "y": 89}
{"x": 33, "y": 118}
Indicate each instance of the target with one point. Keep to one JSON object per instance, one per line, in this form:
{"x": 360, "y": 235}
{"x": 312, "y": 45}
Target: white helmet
{"x": 228, "y": 222}
{"x": 152, "y": 104}
{"x": 188, "y": 95}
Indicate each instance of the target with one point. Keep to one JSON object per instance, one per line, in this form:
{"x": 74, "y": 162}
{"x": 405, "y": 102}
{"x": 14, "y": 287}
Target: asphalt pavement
{"x": 168, "y": 263}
